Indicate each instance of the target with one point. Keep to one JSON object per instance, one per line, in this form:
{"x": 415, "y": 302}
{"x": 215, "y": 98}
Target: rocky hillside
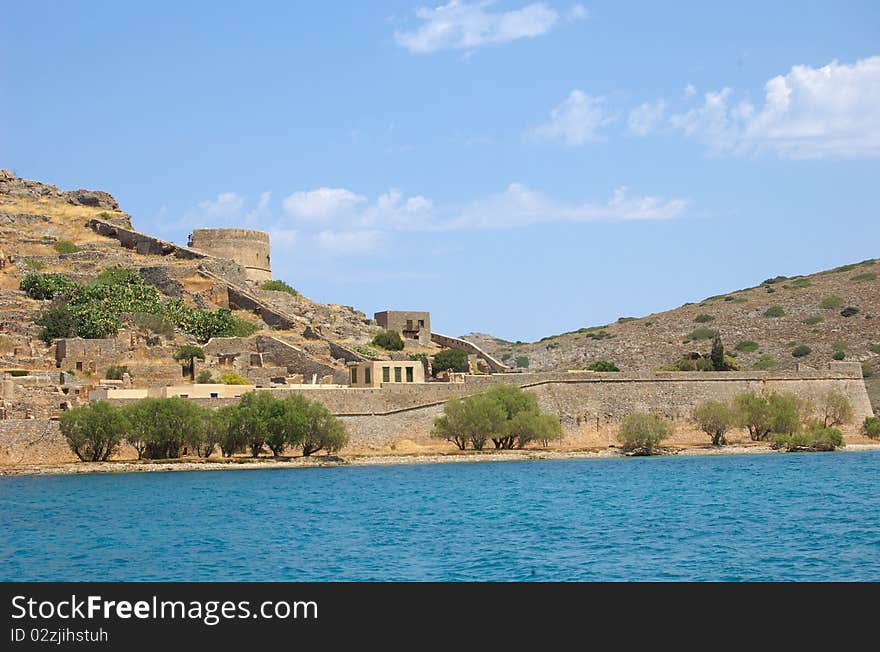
{"x": 812, "y": 319}
{"x": 46, "y": 230}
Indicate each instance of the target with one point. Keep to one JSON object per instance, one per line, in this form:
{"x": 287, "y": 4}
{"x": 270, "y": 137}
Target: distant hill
{"x": 834, "y": 313}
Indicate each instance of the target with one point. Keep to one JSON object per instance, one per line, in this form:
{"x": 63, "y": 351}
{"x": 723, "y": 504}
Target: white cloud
{"x": 460, "y": 25}
{"x": 646, "y": 117}
{"x": 830, "y": 111}
{"x": 226, "y": 205}
{"x": 689, "y": 91}
{"x": 577, "y": 12}
{"x": 576, "y": 120}
{"x": 348, "y": 242}
{"x": 520, "y": 206}
{"x": 321, "y": 204}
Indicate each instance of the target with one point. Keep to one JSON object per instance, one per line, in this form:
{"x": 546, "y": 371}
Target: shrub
{"x": 641, "y": 433}
{"x": 831, "y": 303}
{"x": 752, "y": 411}
{"x": 874, "y": 348}
{"x": 868, "y": 370}
{"x": 65, "y": 247}
{"x": 389, "y": 340}
{"x": 454, "y": 359}
{"x": 747, "y": 346}
{"x": 798, "y": 284}
{"x": 801, "y": 350}
{"x": 46, "y": 286}
{"x": 56, "y": 321}
{"x": 867, "y": 276}
{"x": 152, "y": 323}
{"x": 506, "y": 356}
{"x": 702, "y": 334}
{"x": 812, "y": 321}
{"x": 871, "y": 427}
{"x": 786, "y": 413}
{"x": 838, "y": 355}
{"x": 816, "y": 438}
{"x": 116, "y": 372}
{"x": 774, "y": 312}
{"x": 279, "y": 286}
{"x": 204, "y": 377}
{"x": 602, "y": 365}
{"x": 715, "y": 419}
{"x": 93, "y": 431}
{"x": 849, "y": 311}
{"x": 775, "y": 279}
{"x": 704, "y": 318}
{"x": 233, "y": 378}
{"x": 15, "y": 373}
{"x": 522, "y": 361}
{"x": 623, "y": 320}
{"x": 33, "y": 264}
{"x": 596, "y": 335}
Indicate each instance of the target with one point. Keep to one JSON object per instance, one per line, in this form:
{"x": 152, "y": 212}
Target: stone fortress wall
{"x": 588, "y": 404}
{"x": 247, "y": 247}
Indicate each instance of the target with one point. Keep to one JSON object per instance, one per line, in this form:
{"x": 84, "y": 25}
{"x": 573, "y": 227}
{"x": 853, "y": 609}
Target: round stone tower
{"x": 247, "y": 247}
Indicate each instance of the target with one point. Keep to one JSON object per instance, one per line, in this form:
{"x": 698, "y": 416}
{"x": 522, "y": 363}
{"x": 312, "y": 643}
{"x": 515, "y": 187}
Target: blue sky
{"x": 519, "y": 168}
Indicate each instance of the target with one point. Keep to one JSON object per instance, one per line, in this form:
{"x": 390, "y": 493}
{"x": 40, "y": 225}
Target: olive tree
{"x": 836, "y": 409}
{"x": 93, "y": 431}
{"x": 715, "y": 419}
{"x": 752, "y": 411}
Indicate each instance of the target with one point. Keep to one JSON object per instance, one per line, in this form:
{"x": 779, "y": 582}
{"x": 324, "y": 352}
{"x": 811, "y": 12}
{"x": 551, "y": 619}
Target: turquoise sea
{"x": 738, "y": 517}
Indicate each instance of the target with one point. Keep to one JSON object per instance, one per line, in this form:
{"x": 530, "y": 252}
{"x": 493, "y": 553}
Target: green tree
{"x": 160, "y": 427}
{"x": 451, "y": 424}
{"x": 717, "y": 355}
{"x": 389, "y": 340}
{"x": 752, "y": 411}
{"x": 454, "y": 359}
{"x": 527, "y": 427}
{"x": 836, "y": 409}
{"x": 232, "y": 437}
{"x": 715, "y": 419}
{"x": 786, "y": 413}
{"x": 641, "y": 433}
{"x": 56, "y": 321}
{"x": 93, "y": 431}
{"x": 513, "y": 401}
{"x": 187, "y": 354}
{"x": 322, "y": 431}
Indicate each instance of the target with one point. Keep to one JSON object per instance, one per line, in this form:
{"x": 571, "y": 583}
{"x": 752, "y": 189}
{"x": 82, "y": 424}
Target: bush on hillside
{"x": 774, "y": 312}
{"x": 279, "y": 286}
{"x": 765, "y": 362}
{"x": 602, "y": 365}
{"x": 801, "y": 350}
{"x": 389, "y": 340}
{"x": 65, "y": 247}
{"x": 849, "y": 311}
{"x": 704, "y": 318}
{"x": 747, "y": 346}
{"x": 831, "y": 303}
{"x": 702, "y": 334}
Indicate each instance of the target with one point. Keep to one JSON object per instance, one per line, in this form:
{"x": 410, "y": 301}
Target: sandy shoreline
{"x": 146, "y": 466}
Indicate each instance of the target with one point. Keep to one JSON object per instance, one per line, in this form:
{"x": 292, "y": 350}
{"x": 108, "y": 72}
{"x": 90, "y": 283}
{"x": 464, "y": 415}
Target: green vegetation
{"x": 189, "y": 352}
{"x": 233, "y": 378}
{"x": 715, "y": 419}
{"x": 648, "y": 324}
{"x": 65, "y": 247}
{"x": 93, "y": 431}
{"x": 867, "y": 276}
{"x": 704, "y": 318}
{"x": 33, "y": 264}
{"x": 163, "y": 428}
{"x": 623, "y": 320}
{"x": 641, "y": 433}
{"x": 836, "y": 409}
{"x": 204, "y": 377}
{"x": 774, "y": 312}
{"x": 814, "y": 438}
{"x": 874, "y": 348}
{"x": 798, "y": 284}
{"x": 801, "y": 351}
{"x": 598, "y": 335}
{"x": 522, "y": 361}
{"x": 453, "y": 359}
{"x": 506, "y": 415}
{"x": 15, "y": 373}
{"x": 279, "y": 286}
{"x": 702, "y": 333}
{"x": 151, "y": 323}
{"x": 92, "y": 311}
{"x": 849, "y": 311}
{"x": 812, "y": 321}
{"x": 116, "y": 372}
{"x": 871, "y": 427}
{"x": 775, "y": 279}
{"x": 868, "y": 370}
{"x": 388, "y": 340}
{"x": 506, "y": 356}
{"x": 747, "y": 346}
{"x": 602, "y": 365}
{"x": 831, "y": 303}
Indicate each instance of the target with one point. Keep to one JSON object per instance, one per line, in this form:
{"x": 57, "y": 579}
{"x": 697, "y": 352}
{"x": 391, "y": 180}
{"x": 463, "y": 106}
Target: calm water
{"x": 762, "y": 517}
